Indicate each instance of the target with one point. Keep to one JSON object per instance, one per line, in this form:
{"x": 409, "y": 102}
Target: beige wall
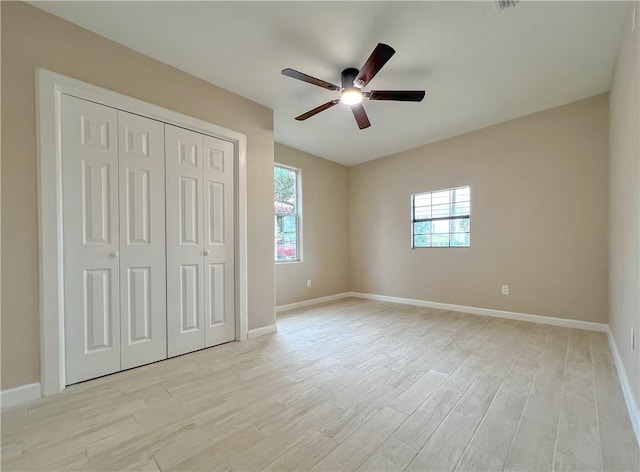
{"x": 32, "y": 38}
{"x": 624, "y": 204}
{"x": 325, "y": 230}
{"x": 539, "y": 217}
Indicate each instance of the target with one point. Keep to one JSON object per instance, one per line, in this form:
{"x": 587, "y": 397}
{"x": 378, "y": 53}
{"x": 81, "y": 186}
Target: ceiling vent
{"x": 504, "y": 4}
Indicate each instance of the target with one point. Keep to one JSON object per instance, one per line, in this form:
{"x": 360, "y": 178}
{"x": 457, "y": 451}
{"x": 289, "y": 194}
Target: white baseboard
{"x": 254, "y": 333}
{"x": 313, "y": 301}
{"x": 510, "y": 315}
{"x": 20, "y": 395}
{"x": 627, "y": 391}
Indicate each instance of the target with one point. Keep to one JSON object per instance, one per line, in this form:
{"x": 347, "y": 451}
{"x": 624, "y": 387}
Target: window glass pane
{"x": 421, "y": 240}
{"x": 421, "y": 213}
{"x": 460, "y": 239}
{"x": 440, "y": 211}
{"x": 460, "y": 226}
{"x": 286, "y": 240}
{"x": 459, "y": 209}
{"x": 440, "y": 240}
{"x": 460, "y": 194}
{"x": 440, "y": 198}
{"x": 284, "y": 190}
{"x": 440, "y": 226}
{"x": 422, "y": 227}
{"x": 423, "y": 199}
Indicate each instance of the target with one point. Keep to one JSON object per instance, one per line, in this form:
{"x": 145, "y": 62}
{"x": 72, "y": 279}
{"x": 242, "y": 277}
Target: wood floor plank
{"x": 235, "y": 412}
{"x": 499, "y": 425}
{"x": 137, "y": 447}
{"x": 479, "y": 395}
{"x": 533, "y": 447}
{"x": 521, "y": 377}
{"x": 280, "y": 417}
{"x": 174, "y": 409}
{"x": 143, "y": 464}
{"x": 452, "y": 360}
{"x": 77, "y": 435}
{"x": 370, "y": 394}
{"x": 413, "y": 396}
{"x": 343, "y": 424}
{"x": 269, "y": 449}
{"x": 392, "y": 455}
{"x": 421, "y": 424}
{"x": 46, "y": 459}
{"x": 213, "y": 454}
{"x": 579, "y": 382}
{"x": 619, "y": 450}
{"x": 476, "y": 458}
{"x": 322, "y": 384}
{"x": 467, "y": 373}
{"x": 579, "y": 349}
{"x": 445, "y": 447}
{"x": 350, "y": 454}
{"x": 534, "y": 442}
{"x": 598, "y": 343}
{"x": 305, "y": 454}
{"x": 202, "y": 385}
{"x": 11, "y": 452}
{"x": 578, "y": 440}
{"x": 610, "y": 400}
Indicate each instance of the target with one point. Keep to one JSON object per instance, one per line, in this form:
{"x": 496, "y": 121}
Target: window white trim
{"x": 50, "y": 86}
{"x": 299, "y": 211}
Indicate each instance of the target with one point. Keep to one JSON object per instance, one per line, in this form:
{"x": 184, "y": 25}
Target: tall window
{"x": 287, "y": 213}
{"x": 441, "y": 219}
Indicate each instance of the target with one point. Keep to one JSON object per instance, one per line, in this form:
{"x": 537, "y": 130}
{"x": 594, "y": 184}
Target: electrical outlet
{"x": 308, "y": 283}
{"x": 505, "y": 290}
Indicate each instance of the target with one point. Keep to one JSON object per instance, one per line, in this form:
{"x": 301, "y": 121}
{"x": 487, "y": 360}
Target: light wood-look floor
{"x": 350, "y": 385}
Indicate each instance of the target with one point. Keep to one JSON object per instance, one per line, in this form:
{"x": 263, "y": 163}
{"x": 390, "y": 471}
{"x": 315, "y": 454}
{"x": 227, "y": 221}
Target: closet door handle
{"x": 114, "y": 254}
{"x": 205, "y": 252}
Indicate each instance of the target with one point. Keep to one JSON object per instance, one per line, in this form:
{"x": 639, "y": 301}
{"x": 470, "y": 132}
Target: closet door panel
{"x": 219, "y": 227}
{"x": 142, "y": 240}
{"x": 185, "y": 232}
{"x": 91, "y": 239}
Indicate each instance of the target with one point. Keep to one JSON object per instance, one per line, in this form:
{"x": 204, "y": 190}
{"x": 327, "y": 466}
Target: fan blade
{"x": 397, "y": 95}
{"x": 294, "y": 74}
{"x": 379, "y": 57}
{"x": 361, "y": 116}
{"x": 317, "y": 110}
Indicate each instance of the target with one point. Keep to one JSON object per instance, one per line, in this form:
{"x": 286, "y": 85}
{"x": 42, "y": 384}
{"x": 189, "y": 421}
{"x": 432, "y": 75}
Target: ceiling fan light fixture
{"x": 352, "y": 82}
{"x": 351, "y": 96}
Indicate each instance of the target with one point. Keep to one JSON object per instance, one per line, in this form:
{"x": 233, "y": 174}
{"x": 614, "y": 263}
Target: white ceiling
{"x": 479, "y": 67}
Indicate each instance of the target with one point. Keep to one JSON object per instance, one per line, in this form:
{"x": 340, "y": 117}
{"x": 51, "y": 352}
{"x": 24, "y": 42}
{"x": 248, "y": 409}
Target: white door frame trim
{"x": 50, "y": 86}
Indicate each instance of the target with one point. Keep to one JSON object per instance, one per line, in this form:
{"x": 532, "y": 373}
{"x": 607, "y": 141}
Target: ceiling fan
{"x": 353, "y": 81}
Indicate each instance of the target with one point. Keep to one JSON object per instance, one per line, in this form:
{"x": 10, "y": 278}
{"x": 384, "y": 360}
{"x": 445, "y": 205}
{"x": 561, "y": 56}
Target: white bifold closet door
{"x": 113, "y": 219}
{"x": 200, "y": 247}
{"x": 143, "y": 310}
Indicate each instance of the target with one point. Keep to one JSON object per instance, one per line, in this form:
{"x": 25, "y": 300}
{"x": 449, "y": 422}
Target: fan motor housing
{"x": 348, "y": 76}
